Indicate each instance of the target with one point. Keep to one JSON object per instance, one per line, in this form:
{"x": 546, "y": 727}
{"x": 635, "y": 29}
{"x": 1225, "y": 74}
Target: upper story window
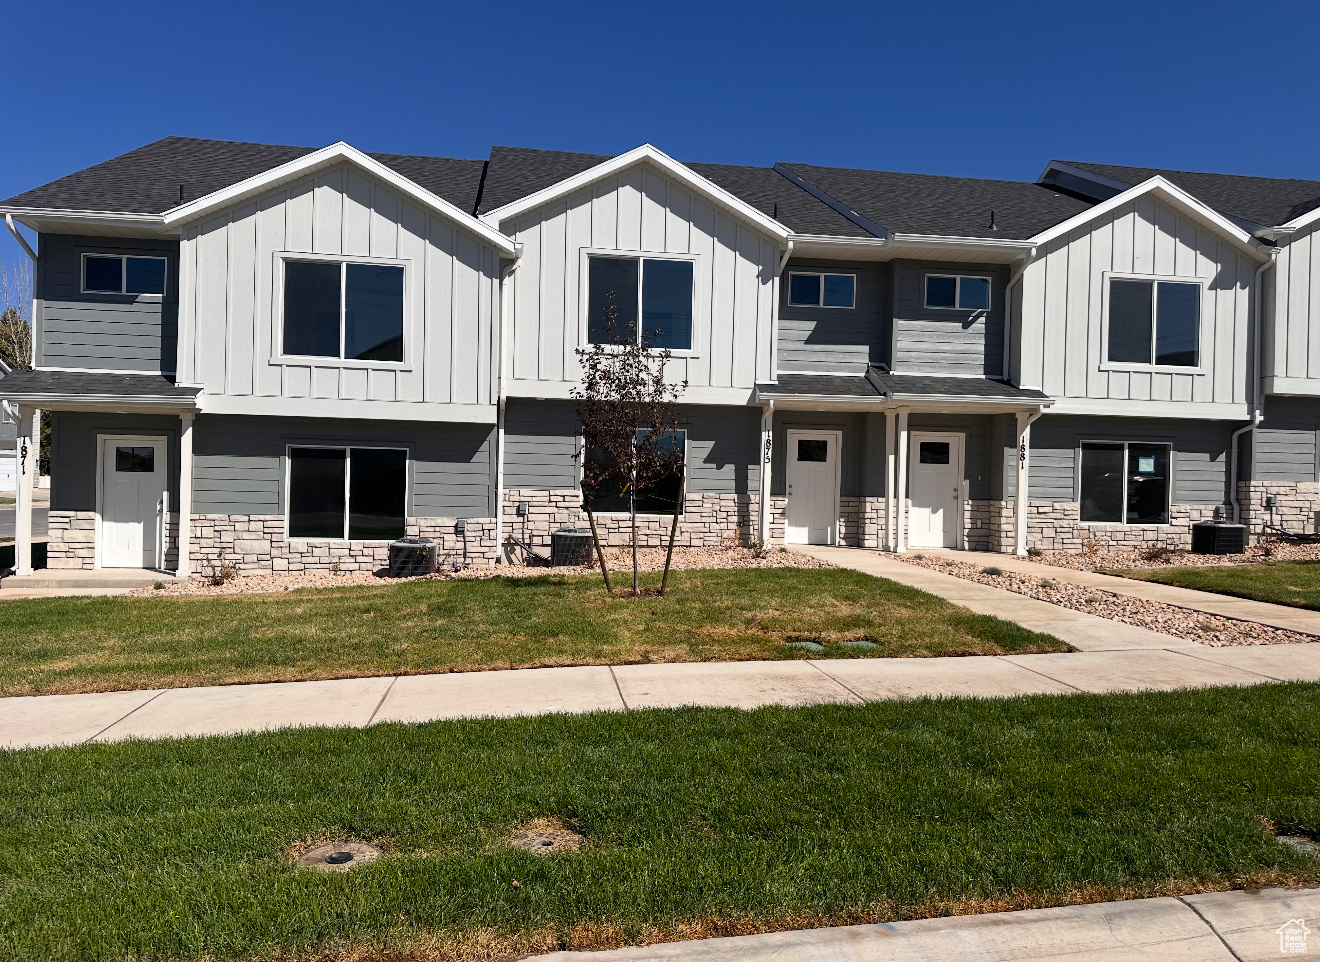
{"x": 1154, "y": 322}
{"x": 123, "y": 274}
{"x": 342, "y": 309}
{"x": 663, "y": 289}
{"x": 822, "y": 290}
{"x": 958, "y": 292}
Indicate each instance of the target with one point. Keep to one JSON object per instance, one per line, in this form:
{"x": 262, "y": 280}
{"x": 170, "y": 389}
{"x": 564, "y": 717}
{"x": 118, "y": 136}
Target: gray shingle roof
{"x": 920, "y": 385}
{"x": 146, "y": 180}
{"x": 830, "y": 385}
{"x": 40, "y": 384}
{"x": 515, "y": 172}
{"x": 1267, "y": 201}
{"x": 950, "y": 206}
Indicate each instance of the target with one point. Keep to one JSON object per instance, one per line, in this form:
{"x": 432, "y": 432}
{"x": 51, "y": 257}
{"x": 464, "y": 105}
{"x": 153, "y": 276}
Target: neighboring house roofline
{"x": 326, "y": 157}
{"x": 646, "y": 153}
{"x": 1170, "y": 193}
{"x": 1069, "y": 169}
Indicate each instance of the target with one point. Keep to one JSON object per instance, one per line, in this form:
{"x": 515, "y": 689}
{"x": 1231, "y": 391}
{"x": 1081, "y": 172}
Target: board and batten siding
{"x": 229, "y": 316}
{"x": 103, "y": 332}
{"x": 941, "y": 340}
{"x": 835, "y": 340}
{"x": 642, "y": 211}
{"x": 1292, "y": 340}
{"x": 1061, "y": 348}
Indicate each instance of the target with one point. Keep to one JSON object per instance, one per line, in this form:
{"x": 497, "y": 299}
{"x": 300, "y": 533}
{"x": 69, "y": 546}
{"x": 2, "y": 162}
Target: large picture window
{"x": 343, "y": 310}
{"x": 353, "y": 494}
{"x": 1154, "y": 322}
{"x": 660, "y": 498}
{"x": 662, "y": 289}
{"x": 123, "y": 274}
{"x": 1125, "y": 482}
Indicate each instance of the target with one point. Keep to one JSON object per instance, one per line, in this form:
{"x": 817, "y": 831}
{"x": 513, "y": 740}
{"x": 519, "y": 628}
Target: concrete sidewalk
{"x": 1244, "y": 609}
{"x": 1216, "y": 927}
{"x": 46, "y": 720}
{"x": 1084, "y": 632}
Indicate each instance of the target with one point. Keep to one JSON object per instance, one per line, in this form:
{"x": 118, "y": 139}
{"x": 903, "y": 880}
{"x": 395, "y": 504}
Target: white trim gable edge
{"x": 643, "y": 154}
{"x": 327, "y": 157}
{"x": 1299, "y": 222}
{"x": 1172, "y": 194}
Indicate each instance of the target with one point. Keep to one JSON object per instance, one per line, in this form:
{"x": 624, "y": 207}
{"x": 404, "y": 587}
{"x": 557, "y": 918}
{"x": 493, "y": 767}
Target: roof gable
{"x": 645, "y": 154}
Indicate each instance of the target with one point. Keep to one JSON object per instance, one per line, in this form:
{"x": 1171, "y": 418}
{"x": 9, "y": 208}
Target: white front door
{"x": 812, "y": 483}
{"x": 133, "y": 482}
{"x": 935, "y": 490}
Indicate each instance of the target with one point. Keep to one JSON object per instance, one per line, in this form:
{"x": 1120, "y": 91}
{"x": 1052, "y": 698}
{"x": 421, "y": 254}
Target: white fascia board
{"x": 33, "y": 217}
{"x": 643, "y": 154}
{"x": 1170, "y": 193}
{"x": 970, "y": 243}
{"x": 1297, "y": 223}
{"x": 348, "y": 410}
{"x": 1188, "y": 410}
{"x": 329, "y": 157}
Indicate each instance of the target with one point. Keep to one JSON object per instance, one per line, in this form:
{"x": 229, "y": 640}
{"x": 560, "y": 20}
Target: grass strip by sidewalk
{"x": 1293, "y": 583}
{"x": 52, "y": 645}
{"x": 697, "y": 822}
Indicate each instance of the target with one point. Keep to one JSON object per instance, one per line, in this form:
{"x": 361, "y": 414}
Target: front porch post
{"x": 184, "y": 568}
{"x": 28, "y": 451}
{"x": 767, "y": 442}
{"x": 1021, "y": 504}
{"x": 891, "y": 486}
{"x": 900, "y": 525}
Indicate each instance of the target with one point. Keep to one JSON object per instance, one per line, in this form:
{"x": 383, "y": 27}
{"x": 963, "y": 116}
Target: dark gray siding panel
{"x": 853, "y": 426}
{"x": 933, "y": 341}
{"x": 239, "y": 462}
{"x": 1284, "y": 446}
{"x": 73, "y": 453}
{"x": 540, "y": 438}
{"x": 835, "y": 340}
{"x": 1200, "y": 453}
{"x": 103, "y": 331}
{"x": 976, "y": 446}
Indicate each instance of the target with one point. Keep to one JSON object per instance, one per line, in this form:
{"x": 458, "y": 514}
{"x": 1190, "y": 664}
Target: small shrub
{"x": 992, "y": 570}
{"x": 1155, "y": 552}
{"x": 159, "y": 586}
{"x": 918, "y": 557}
{"x": 1034, "y": 551}
{"x": 334, "y": 568}
{"x": 1092, "y": 546}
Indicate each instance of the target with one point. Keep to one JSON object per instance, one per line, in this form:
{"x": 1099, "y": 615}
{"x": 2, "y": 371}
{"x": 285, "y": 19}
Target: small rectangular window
{"x": 358, "y": 494}
{"x": 662, "y": 288}
{"x": 1125, "y": 483}
{"x": 813, "y": 449}
{"x": 123, "y": 274}
{"x": 660, "y": 497}
{"x": 934, "y": 452}
{"x": 130, "y": 460}
{"x": 822, "y": 290}
{"x": 341, "y": 309}
{"x": 957, "y": 292}
{"x": 1154, "y": 322}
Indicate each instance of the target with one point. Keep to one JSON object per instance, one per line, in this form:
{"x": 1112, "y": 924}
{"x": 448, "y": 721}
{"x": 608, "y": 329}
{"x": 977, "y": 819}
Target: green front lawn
{"x": 101, "y": 644}
{"x": 697, "y": 822}
{"x": 1295, "y": 583}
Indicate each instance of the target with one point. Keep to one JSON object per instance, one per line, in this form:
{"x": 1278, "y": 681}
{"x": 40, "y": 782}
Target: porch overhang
{"x": 877, "y": 390}
{"x": 95, "y": 391}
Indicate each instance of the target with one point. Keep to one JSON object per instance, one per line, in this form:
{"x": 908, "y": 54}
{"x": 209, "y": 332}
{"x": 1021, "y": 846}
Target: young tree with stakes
{"x": 627, "y": 411}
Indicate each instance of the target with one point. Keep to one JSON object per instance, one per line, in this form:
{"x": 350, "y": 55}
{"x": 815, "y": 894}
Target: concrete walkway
{"x": 45, "y": 720}
{"x": 1278, "y": 616}
{"x": 1216, "y": 927}
{"x": 1084, "y": 632}
{"x": 57, "y": 582}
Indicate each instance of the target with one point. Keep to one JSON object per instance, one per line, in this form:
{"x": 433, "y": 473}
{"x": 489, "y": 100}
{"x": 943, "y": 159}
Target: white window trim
{"x": 1136, "y": 366}
{"x": 277, "y": 355}
{"x": 584, "y": 292}
{"x": 1168, "y": 494}
{"x": 820, "y": 298}
{"x": 682, "y": 508}
{"x": 957, "y": 293}
{"x": 348, "y": 478}
{"x": 123, "y": 273}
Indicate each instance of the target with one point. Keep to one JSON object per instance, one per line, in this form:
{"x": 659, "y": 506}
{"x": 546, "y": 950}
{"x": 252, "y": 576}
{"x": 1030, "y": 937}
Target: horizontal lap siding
{"x": 1284, "y": 446}
{"x": 240, "y": 462}
{"x": 976, "y": 446}
{"x": 73, "y": 452}
{"x": 853, "y": 452}
{"x": 835, "y": 340}
{"x": 1063, "y": 301}
{"x": 936, "y": 341}
{"x": 540, "y": 438}
{"x": 231, "y": 316}
{"x": 1200, "y": 454}
{"x": 113, "y": 332}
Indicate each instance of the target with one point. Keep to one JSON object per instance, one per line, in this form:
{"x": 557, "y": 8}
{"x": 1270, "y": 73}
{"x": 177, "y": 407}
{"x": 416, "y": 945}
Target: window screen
{"x": 316, "y": 492}
{"x": 378, "y": 485}
{"x": 974, "y": 293}
{"x": 839, "y": 290}
{"x": 144, "y": 275}
{"x": 103, "y": 275}
{"x": 1178, "y": 323}
{"x": 667, "y": 303}
{"x": 130, "y": 460}
{"x": 804, "y": 289}
{"x": 311, "y": 309}
{"x": 373, "y": 312}
{"x": 941, "y": 291}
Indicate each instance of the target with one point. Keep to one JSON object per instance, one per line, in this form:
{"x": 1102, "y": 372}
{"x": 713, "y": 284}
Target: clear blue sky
{"x": 975, "y": 89}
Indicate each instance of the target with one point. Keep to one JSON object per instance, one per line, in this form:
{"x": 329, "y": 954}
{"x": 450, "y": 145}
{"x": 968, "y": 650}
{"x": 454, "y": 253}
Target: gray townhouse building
{"x": 284, "y": 358}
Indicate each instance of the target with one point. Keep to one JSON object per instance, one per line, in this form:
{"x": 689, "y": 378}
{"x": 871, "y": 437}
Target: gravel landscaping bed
{"x": 1106, "y": 557}
{"x": 619, "y": 561}
{"x": 1196, "y": 626}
